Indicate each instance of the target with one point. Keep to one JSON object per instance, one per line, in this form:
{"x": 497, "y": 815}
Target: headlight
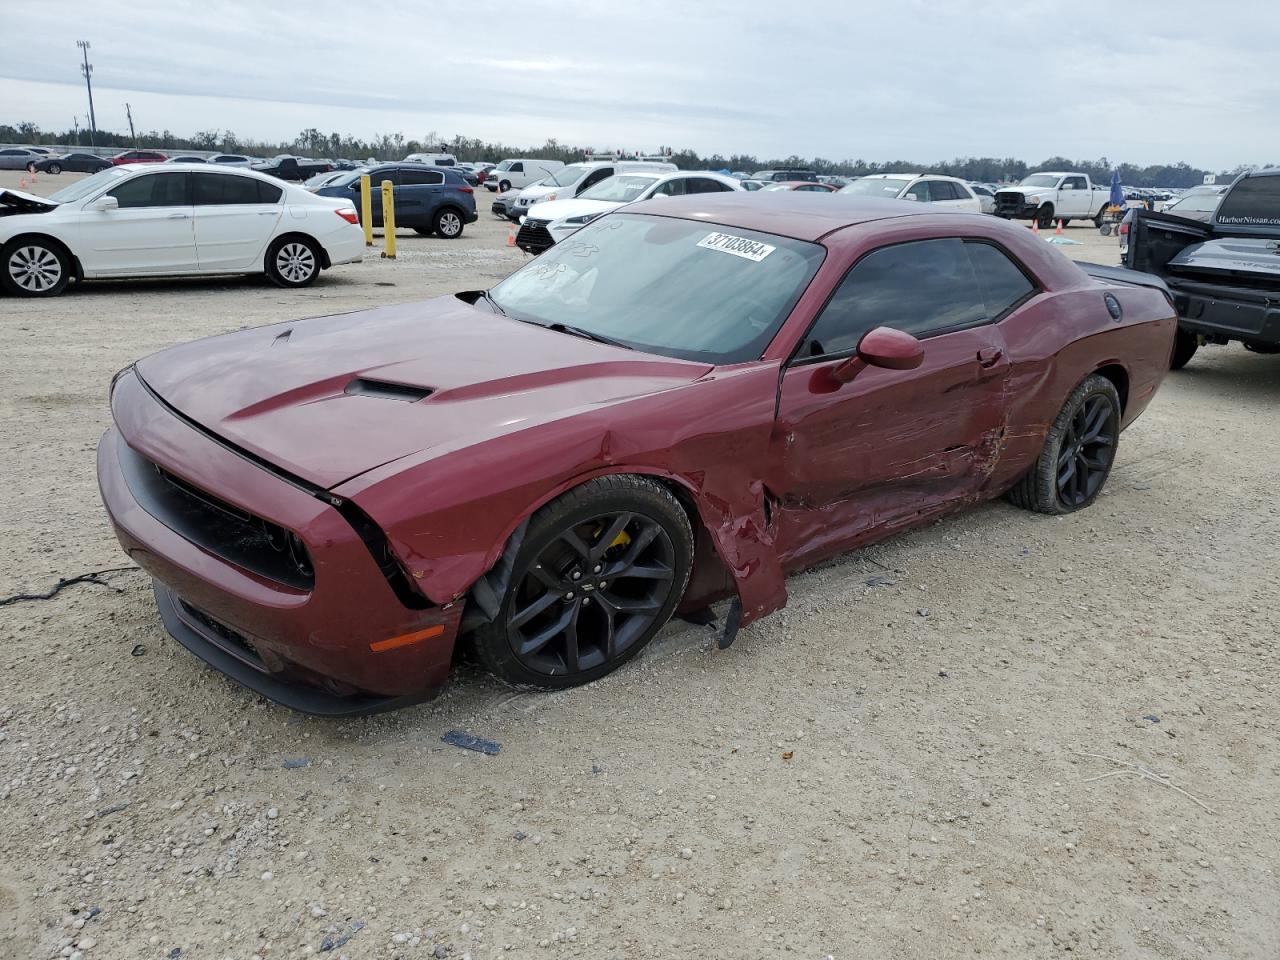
{"x": 549, "y": 197}
{"x": 1034, "y": 199}
{"x": 579, "y": 221}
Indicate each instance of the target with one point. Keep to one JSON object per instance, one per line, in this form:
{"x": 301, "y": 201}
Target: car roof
{"x": 196, "y": 168}
{"x": 788, "y": 213}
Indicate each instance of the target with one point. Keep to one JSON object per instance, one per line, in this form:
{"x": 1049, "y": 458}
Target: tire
{"x": 448, "y": 223}
{"x": 623, "y": 522}
{"x": 423, "y": 231}
{"x": 34, "y": 267}
{"x": 1044, "y": 216}
{"x": 1185, "y": 345}
{"x": 1064, "y": 221}
{"x": 1267, "y": 349}
{"x": 504, "y": 185}
{"x": 55, "y": 168}
{"x": 293, "y": 262}
{"x": 1079, "y": 451}
{"x": 1100, "y": 217}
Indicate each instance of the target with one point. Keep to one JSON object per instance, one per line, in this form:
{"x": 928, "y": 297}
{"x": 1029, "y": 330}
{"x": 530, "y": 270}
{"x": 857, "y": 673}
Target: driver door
{"x": 151, "y": 232}
{"x": 856, "y": 458}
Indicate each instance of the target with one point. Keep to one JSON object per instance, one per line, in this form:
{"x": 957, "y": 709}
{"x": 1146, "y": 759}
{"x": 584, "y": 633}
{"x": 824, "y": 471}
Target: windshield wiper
{"x": 587, "y": 335}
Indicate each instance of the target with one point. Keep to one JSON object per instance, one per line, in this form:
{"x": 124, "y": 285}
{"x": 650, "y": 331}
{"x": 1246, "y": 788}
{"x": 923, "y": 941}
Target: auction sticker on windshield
{"x": 738, "y": 246}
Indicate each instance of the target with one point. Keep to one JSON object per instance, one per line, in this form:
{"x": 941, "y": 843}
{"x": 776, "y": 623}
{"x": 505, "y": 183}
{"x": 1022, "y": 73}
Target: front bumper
{"x": 304, "y": 645}
{"x": 1015, "y": 208}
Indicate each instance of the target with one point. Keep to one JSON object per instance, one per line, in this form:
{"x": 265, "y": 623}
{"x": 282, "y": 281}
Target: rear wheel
{"x": 1265, "y": 348}
{"x": 1185, "y": 345}
{"x": 34, "y": 267}
{"x": 293, "y": 262}
{"x": 599, "y": 573}
{"x": 1100, "y": 217}
{"x": 1078, "y": 452}
{"x": 448, "y": 224}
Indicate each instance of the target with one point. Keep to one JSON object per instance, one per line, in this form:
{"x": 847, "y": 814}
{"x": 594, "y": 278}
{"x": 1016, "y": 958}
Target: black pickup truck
{"x": 1224, "y": 275}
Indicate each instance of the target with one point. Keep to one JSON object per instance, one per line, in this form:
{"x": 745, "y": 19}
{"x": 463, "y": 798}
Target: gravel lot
{"x": 898, "y": 765}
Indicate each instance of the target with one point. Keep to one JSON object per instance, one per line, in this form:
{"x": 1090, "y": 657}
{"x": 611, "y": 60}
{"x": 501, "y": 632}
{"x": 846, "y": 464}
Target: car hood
{"x": 1235, "y": 254}
{"x": 559, "y": 209}
{"x": 17, "y": 201}
{"x": 329, "y": 398}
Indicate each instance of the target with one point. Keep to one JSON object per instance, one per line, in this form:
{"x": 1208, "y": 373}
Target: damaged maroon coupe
{"x": 679, "y": 405}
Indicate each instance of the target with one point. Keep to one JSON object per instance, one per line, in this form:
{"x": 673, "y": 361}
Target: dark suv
{"x": 808, "y": 176}
{"x": 427, "y": 199}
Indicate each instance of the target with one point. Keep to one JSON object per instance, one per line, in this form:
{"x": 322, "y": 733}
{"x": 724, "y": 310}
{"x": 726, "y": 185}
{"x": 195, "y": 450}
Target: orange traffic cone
{"x": 1035, "y": 227}
{"x": 22, "y": 181}
{"x": 511, "y": 236}
{"x": 1058, "y": 232}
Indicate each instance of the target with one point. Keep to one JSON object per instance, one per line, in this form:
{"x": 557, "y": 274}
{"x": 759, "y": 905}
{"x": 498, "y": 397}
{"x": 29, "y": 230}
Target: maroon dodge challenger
{"x": 679, "y": 404}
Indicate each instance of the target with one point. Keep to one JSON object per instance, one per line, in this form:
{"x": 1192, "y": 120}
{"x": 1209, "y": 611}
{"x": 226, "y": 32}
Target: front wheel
{"x": 504, "y": 186}
{"x": 599, "y": 573}
{"x": 55, "y": 168}
{"x": 1185, "y": 345}
{"x": 448, "y": 224}
{"x": 34, "y": 268}
{"x": 1078, "y": 452}
{"x": 1044, "y": 216}
{"x": 293, "y": 262}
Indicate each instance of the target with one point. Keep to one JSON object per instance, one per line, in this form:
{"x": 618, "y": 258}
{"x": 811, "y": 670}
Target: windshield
{"x": 1040, "y": 180}
{"x": 623, "y": 188}
{"x": 505, "y": 165}
{"x": 666, "y": 286}
{"x": 569, "y": 175}
{"x": 82, "y": 188}
{"x": 877, "y": 186}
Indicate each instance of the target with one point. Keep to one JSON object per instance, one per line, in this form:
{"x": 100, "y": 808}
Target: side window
{"x": 942, "y": 190}
{"x": 516, "y": 168}
{"x": 1003, "y": 284}
{"x": 812, "y": 188}
{"x": 219, "y": 189}
{"x": 387, "y": 173}
{"x": 269, "y": 192}
{"x": 416, "y": 177}
{"x": 919, "y": 190}
{"x": 1074, "y": 183}
{"x": 707, "y": 185}
{"x": 1254, "y": 200}
{"x": 672, "y": 188}
{"x": 922, "y": 288}
{"x": 153, "y": 190}
{"x": 594, "y": 177}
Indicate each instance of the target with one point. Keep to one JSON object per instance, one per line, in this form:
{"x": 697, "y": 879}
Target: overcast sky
{"x": 1145, "y": 81}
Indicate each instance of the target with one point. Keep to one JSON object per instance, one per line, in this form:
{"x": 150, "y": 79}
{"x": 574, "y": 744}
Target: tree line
{"x": 312, "y": 142}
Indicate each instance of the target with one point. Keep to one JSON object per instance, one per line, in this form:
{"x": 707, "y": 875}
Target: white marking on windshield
{"x": 738, "y": 246}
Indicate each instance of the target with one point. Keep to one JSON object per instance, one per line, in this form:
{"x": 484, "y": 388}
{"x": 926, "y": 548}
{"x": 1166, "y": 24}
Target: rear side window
{"x": 1254, "y": 200}
{"x": 269, "y": 192}
{"x": 1003, "y": 284}
{"x": 153, "y": 190}
{"x": 943, "y": 190}
{"x": 216, "y": 190}
{"x": 418, "y": 177}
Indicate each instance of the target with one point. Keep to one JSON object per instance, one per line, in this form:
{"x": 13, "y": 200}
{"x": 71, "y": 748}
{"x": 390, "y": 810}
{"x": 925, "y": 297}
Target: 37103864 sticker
{"x": 743, "y": 247}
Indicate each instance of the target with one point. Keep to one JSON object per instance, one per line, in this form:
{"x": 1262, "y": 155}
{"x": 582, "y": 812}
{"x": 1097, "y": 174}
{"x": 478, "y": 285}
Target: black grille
{"x": 231, "y": 641}
{"x": 250, "y": 542}
{"x": 534, "y": 237}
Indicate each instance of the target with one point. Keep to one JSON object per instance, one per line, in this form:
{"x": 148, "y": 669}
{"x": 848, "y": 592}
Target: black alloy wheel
{"x": 600, "y": 571}
{"x": 1088, "y": 445}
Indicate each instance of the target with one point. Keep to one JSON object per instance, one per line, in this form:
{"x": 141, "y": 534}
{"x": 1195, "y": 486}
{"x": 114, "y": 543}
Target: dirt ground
{"x": 910, "y": 761}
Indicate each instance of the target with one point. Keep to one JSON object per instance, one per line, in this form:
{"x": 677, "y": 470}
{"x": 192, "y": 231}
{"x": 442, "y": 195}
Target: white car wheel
{"x": 293, "y": 263}
{"x": 449, "y": 224}
{"x": 33, "y": 268}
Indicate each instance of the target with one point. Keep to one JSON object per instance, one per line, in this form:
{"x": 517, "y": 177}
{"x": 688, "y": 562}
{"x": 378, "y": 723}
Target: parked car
{"x": 801, "y": 185}
{"x": 482, "y": 170}
{"x": 571, "y": 181}
{"x": 432, "y": 159}
{"x": 754, "y": 185}
{"x": 427, "y": 199}
{"x": 552, "y": 221}
{"x": 185, "y": 158}
{"x": 931, "y": 188}
{"x": 690, "y": 400}
{"x": 323, "y": 179}
{"x": 1224, "y": 273}
{"x": 70, "y": 162}
{"x": 1195, "y": 206}
{"x": 520, "y": 173}
{"x": 810, "y": 176}
{"x": 232, "y": 159}
{"x": 139, "y": 156}
{"x": 504, "y": 206}
{"x": 1046, "y": 197}
{"x": 166, "y": 220}
{"x": 986, "y": 196}
{"x": 19, "y": 158}
{"x": 286, "y": 167}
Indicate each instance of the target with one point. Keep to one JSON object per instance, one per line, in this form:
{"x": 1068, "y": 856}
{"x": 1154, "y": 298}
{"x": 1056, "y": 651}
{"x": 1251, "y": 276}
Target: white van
{"x": 572, "y": 180}
{"x": 434, "y": 159}
{"x": 514, "y": 174}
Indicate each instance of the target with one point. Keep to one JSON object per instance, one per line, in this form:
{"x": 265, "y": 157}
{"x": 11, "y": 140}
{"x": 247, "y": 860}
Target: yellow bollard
{"x": 388, "y": 221}
{"x": 366, "y": 208}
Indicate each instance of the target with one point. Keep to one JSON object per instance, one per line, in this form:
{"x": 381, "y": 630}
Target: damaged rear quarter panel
{"x": 448, "y": 517}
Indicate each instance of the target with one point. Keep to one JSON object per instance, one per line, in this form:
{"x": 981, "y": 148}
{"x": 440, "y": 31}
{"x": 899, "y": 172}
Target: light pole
{"x": 87, "y": 69}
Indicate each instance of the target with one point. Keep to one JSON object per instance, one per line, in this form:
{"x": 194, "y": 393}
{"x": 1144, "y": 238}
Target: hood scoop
{"x": 385, "y": 390}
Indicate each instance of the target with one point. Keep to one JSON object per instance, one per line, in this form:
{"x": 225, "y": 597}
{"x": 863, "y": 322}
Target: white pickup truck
{"x": 1049, "y": 196}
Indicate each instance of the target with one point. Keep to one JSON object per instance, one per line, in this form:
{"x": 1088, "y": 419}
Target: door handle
{"x": 989, "y": 356}
{"x": 179, "y": 216}
{"x": 267, "y": 213}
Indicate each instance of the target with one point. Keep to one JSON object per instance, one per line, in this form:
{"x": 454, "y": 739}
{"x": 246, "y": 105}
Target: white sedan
{"x": 549, "y": 222}
{"x": 945, "y": 192}
{"x": 166, "y": 220}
